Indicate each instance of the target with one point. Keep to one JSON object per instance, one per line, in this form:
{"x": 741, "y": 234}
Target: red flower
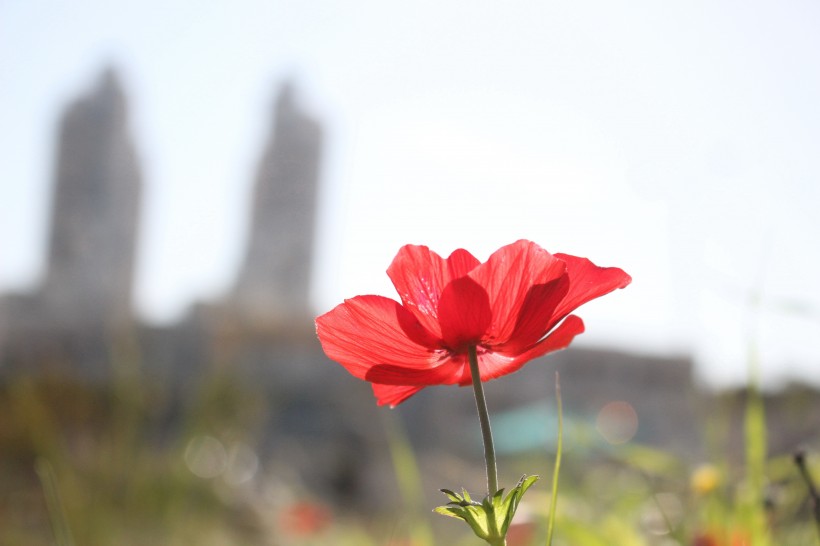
{"x": 305, "y": 518}
{"x": 734, "y": 538}
{"x": 508, "y": 307}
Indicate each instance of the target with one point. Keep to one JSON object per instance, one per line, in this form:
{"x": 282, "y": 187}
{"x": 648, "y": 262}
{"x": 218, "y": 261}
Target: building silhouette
{"x": 274, "y": 282}
{"x": 97, "y": 191}
{"x": 72, "y": 322}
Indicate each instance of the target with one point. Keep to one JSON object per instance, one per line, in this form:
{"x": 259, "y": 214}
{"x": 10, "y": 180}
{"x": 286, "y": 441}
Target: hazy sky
{"x": 678, "y": 141}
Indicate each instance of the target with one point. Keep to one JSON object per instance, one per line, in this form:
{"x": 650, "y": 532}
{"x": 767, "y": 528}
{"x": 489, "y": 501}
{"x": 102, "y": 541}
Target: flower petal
{"x": 370, "y": 330}
{"x": 536, "y": 316}
{"x": 587, "y": 282}
{"x": 460, "y": 263}
{"x": 492, "y": 365}
{"x": 446, "y": 373}
{"x": 393, "y": 395}
{"x": 420, "y": 276}
{"x": 464, "y": 313}
{"x": 507, "y": 276}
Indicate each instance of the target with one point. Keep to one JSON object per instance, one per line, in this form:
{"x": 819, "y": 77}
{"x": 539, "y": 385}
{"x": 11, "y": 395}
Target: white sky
{"x": 677, "y": 141}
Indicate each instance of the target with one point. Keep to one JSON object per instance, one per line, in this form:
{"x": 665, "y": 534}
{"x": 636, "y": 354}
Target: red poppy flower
{"x": 720, "y": 538}
{"x": 513, "y": 308}
{"x": 305, "y": 518}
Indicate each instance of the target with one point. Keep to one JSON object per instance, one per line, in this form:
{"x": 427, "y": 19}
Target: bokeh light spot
{"x": 206, "y": 456}
{"x": 242, "y": 464}
{"x": 617, "y": 422}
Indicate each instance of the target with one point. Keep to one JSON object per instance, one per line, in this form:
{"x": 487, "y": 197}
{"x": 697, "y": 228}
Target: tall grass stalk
{"x": 408, "y": 478}
{"x": 754, "y": 510}
{"x": 54, "y": 505}
{"x": 814, "y": 494}
{"x": 557, "y": 468}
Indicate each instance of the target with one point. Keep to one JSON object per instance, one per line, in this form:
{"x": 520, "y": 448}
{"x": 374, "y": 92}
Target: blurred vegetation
{"x": 128, "y": 464}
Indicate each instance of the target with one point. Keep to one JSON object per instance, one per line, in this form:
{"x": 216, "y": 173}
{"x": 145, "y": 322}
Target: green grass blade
{"x": 556, "y": 470}
{"x": 56, "y": 510}
{"x": 408, "y": 477}
{"x": 756, "y": 453}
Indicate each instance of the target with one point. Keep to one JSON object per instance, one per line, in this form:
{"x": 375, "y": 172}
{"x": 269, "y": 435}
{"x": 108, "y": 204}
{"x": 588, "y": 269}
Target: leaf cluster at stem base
{"x": 489, "y": 519}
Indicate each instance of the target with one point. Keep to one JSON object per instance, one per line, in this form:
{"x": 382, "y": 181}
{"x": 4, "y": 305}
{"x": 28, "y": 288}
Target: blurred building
{"x": 97, "y": 191}
{"x": 84, "y": 304}
{"x": 274, "y": 282}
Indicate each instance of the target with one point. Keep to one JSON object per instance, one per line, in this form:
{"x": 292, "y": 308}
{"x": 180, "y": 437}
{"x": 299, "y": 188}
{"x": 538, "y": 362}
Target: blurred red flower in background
{"x": 304, "y": 518}
{"x": 722, "y": 538}
{"x": 513, "y": 308}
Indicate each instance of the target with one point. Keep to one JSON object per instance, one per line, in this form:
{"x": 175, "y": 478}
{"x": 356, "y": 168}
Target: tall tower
{"x": 274, "y": 282}
{"x": 94, "y": 220}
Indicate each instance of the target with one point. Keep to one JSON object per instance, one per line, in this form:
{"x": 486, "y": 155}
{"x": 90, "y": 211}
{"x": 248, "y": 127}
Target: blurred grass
{"x": 408, "y": 478}
{"x": 103, "y": 456}
{"x": 752, "y": 502}
{"x": 125, "y": 464}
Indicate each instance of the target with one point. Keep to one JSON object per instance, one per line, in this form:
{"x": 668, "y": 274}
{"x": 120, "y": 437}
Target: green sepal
{"x": 490, "y": 518}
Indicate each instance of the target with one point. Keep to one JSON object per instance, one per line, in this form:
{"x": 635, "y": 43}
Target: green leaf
{"x": 505, "y": 510}
{"x": 491, "y": 518}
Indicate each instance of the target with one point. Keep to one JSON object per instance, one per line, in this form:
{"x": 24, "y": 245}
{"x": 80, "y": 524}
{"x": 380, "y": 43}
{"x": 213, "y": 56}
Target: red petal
{"x": 508, "y": 276}
{"x": 420, "y": 276}
{"x": 464, "y": 313}
{"x": 460, "y": 263}
{"x": 587, "y": 282}
{"x": 492, "y": 365}
{"x": 536, "y": 317}
{"x": 393, "y": 395}
{"x": 558, "y": 339}
{"x": 369, "y": 330}
{"x": 446, "y": 373}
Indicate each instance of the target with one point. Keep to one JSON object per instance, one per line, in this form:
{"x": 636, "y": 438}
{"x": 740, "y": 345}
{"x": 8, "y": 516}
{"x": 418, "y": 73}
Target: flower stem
{"x": 484, "y": 419}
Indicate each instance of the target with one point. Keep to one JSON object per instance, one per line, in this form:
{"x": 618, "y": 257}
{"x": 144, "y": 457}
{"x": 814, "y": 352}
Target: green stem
{"x": 484, "y": 419}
